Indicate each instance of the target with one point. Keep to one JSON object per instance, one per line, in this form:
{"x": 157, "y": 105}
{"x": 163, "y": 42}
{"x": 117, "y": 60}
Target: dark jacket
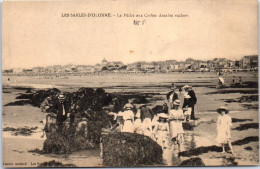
{"x": 146, "y": 113}
{"x": 191, "y": 101}
{"x": 193, "y": 98}
{"x": 175, "y": 96}
{"x": 59, "y": 111}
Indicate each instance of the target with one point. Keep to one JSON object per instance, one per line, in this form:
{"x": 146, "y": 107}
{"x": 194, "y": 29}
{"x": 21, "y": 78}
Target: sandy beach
{"x": 199, "y": 135}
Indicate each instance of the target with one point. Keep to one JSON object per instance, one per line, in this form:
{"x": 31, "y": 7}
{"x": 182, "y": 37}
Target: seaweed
{"x": 18, "y": 103}
{"x": 192, "y": 162}
{"x": 130, "y": 149}
{"x": 247, "y": 126}
{"x": 200, "y": 150}
{"x": 235, "y": 120}
{"x": 248, "y": 148}
{"x": 25, "y": 131}
{"x": 246, "y": 140}
{"x": 233, "y": 91}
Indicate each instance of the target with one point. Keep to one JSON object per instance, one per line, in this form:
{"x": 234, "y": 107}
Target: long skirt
{"x": 162, "y": 138}
{"x": 223, "y": 135}
{"x": 176, "y": 131}
{"x": 128, "y": 126}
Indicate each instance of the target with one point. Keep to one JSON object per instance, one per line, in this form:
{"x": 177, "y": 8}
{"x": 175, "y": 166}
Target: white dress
{"x": 138, "y": 123}
{"x": 224, "y": 124}
{"x": 161, "y": 134}
{"x": 176, "y": 117}
{"x": 128, "y": 117}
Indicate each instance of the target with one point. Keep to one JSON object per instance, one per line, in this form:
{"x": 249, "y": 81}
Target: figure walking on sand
{"x": 176, "y": 130}
{"x": 224, "y": 124}
{"x": 146, "y": 118}
{"x": 171, "y": 97}
{"x": 161, "y": 131}
{"x": 191, "y": 101}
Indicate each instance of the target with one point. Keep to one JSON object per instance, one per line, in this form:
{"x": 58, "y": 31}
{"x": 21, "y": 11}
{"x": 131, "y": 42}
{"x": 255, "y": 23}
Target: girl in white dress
{"x": 161, "y": 131}
{"x": 128, "y": 117}
{"x": 138, "y": 123}
{"x": 224, "y": 124}
{"x": 176, "y": 130}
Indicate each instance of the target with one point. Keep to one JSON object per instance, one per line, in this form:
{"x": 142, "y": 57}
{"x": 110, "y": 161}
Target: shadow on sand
{"x": 247, "y": 126}
{"x": 18, "y": 103}
{"x": 201, "y": 150}
{"x": 245, "y": 140}
{"x": 235, "y": 120}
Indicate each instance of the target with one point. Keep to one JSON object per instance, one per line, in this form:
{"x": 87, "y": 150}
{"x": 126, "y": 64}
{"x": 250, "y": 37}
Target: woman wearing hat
{"x": 176, "y": 130}
{"x": 161, "y": 131}
{"x": 171, "y": 97}
{"x": 224, "y": 124}
{"x": 128, "y": 117}
{"x": 187, "y": 108}
{"x": 138, "y": 123}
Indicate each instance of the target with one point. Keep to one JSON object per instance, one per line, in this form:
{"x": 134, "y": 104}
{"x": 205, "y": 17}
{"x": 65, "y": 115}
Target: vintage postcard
{"x": 111, "y": 83}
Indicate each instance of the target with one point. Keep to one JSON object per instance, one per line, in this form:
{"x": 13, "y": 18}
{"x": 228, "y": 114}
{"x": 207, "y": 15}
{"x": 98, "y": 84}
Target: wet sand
{"x": 199, "y": 135}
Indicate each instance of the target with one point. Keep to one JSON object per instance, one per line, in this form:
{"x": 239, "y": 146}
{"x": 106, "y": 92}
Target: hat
{"x": 128, "y": 106}
{"x": 120, "y": 113}
{"x": 173, "y": 87}
{"x": 177, "y": 102}
{"x": 111, "y": 113}
{"x": 162, "y": 115}
{"x": 223, "y": 108}
{"x": 186, "y": 86}
{"x": 142, "y": 105}
{"x": 61, "y": 96}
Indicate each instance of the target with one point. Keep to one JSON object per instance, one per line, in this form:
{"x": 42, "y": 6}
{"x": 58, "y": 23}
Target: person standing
{"x": 192, "y": 101}
{"x": 138, "y": 123}
{"x": 161, "y": 131}
{"x": 146, "y": 118}
{"x": 46, "y": 105}
{"x": 224, "y": 124}
{"x": 171, "y": 97}
{"x": 175, "y": 119}
{"x": 61, "y": 110}
{"x": 128, "y": 117}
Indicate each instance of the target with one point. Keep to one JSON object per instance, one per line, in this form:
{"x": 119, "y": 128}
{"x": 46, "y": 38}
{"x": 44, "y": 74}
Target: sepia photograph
{"x": 109, "y": 83}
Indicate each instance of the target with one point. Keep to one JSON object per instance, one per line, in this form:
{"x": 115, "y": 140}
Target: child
{"x": 138, "y": 123}
{"x": 224, "y": 124}
{"x": 187, "y": 113}
{"x": 176, "y": 130}
{"x": 161, "y": 131}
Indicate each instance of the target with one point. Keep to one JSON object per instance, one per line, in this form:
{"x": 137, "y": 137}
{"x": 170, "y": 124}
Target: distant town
{"x": 246, "y": 63}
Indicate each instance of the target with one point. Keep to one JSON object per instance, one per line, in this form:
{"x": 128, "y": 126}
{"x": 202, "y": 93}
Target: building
{"x": 17, "y": 70}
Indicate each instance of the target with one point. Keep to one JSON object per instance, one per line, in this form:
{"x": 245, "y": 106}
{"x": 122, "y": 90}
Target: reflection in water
{"x": 171, "y": 157}
{"x": 191, "y": 141}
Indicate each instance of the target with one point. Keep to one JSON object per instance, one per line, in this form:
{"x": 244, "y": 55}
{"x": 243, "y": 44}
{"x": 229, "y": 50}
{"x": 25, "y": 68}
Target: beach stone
{"x": 130, "y": 149}
{"x": 196, "y": 161}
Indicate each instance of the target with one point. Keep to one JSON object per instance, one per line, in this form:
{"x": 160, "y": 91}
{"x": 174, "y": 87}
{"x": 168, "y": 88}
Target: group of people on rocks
{"x": 189, "y": 100}
{"x": 166, "y": 128}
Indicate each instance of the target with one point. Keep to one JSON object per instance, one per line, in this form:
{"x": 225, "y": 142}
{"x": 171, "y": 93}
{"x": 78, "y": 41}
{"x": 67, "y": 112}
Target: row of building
{"x": 247, "y": 62}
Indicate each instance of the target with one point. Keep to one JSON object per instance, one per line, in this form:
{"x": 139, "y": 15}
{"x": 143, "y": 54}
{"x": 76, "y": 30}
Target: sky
{"x": 35, "y": 34}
